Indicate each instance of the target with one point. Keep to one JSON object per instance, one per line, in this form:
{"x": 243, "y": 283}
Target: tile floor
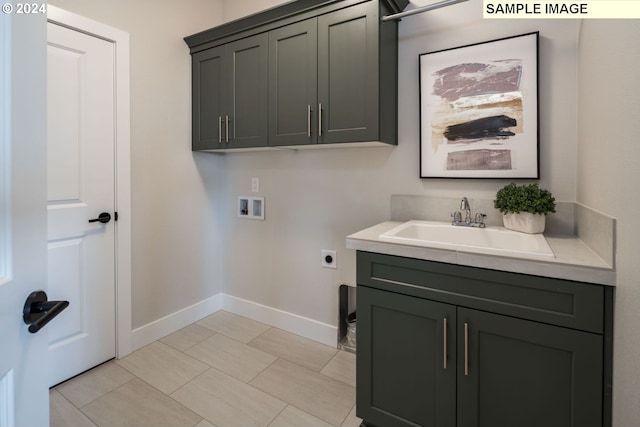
{"x": 223, "y": 371}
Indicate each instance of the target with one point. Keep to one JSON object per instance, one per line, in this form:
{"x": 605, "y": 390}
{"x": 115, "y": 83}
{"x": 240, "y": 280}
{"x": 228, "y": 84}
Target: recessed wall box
{"x": 329, "y": 259}
{"x": 250, "y": 207}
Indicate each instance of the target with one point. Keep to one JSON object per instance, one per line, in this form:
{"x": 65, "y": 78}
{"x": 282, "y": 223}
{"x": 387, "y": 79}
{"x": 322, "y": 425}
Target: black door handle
{"x": 38, "y": 311}
{"x": 104, "y": 218}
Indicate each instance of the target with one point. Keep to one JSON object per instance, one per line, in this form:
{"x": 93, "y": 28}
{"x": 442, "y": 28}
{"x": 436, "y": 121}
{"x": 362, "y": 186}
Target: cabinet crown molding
{"x": 276, "y": 16}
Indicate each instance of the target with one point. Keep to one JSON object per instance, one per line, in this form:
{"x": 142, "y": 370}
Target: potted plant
{"x": 524, "y": 208}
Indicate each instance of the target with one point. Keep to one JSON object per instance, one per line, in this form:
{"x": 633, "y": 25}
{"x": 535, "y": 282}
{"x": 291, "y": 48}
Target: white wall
{"x": 608, "y": 177}
{"x": 175, "y": 254}
{"x": 188, "y": 244}
{"x": 314, "y": 199}
{"x": 238, "y": 9}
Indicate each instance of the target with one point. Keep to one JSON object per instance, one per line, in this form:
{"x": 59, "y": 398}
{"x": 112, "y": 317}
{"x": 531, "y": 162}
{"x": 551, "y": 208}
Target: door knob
{"x": 38, "y": 311}
{"x": 104, "y": 218}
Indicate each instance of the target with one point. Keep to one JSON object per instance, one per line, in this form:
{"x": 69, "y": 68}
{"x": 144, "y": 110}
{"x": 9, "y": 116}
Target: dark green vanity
{"x": 447, "y": 345}
{"x": 306, "y": 73}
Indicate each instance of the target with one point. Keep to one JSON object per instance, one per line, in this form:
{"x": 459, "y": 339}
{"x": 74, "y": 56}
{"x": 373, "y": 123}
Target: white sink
{"x": 489, "y": 240}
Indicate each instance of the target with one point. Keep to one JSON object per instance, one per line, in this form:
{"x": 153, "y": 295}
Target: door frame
{"x": 120, "y": 39}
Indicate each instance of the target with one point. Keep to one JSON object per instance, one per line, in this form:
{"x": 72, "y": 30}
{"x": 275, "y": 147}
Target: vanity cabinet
{"x": 229, "y": 100}
{"x": 302, "y": 74}
{"x": 447, "y": 345}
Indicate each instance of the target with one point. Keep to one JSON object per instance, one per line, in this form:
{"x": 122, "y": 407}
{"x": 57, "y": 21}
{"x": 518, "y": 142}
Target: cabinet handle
{"x": 319, "y": 119}
{"x": 308, "y": 121}
{"x": 219, "y": 129}
{"x": 227, "y": 127}
{"x": 466, "y": 349}
{"x": 444, "y": 352}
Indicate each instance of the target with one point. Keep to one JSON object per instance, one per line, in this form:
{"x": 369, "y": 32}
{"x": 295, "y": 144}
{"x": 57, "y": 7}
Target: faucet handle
{"x": 457, "y": 216}
{"x": 480, "y": 219}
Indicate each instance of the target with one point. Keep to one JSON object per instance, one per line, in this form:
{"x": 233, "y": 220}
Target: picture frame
{"x": 479, "y": 113}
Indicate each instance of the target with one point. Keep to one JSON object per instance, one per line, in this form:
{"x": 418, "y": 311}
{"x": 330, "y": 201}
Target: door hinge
{"x": 115, "y": 216}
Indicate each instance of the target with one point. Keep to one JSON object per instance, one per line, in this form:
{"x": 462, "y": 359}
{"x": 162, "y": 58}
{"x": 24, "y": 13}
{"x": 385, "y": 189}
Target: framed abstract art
{"x": 479, "y": 110}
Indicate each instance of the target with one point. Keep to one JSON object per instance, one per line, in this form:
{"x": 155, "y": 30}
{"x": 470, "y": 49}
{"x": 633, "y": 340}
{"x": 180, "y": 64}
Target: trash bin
{"x": 350, "y": 337}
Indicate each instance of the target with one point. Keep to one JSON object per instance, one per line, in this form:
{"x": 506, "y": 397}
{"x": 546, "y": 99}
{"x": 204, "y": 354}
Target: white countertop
{"x": 574, "y": 260}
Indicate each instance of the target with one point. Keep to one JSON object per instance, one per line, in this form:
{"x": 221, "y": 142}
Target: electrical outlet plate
{"x": 329, "y": 259}
{"x": 250, "y": 207}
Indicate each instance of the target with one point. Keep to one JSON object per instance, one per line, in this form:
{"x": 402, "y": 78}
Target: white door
{"x": 24, "y": 391}
{"x": 81, "y": 187}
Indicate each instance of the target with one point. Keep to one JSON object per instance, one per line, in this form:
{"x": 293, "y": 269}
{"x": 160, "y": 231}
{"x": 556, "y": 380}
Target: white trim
{"x": 5, "y": 137}
{"x": 120, "y": 39}
{"x": 5, "y": 155}
{"x": 290, "y": 322}
{"x": 160, "y": 328}
{"x": 7, "y": 404}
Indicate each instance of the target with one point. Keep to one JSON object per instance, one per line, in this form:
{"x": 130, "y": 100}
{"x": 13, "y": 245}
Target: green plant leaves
{"x": 525, "y": 198}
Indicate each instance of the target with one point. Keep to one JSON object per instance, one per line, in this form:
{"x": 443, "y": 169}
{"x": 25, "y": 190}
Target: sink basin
{"x": 490, "y": 240}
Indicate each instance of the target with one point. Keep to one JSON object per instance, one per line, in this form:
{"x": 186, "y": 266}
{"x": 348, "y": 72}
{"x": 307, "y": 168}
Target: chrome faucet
{"x": 466, "y": 207}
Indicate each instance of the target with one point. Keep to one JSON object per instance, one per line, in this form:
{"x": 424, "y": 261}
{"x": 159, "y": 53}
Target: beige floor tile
{"x": 352, "y": 420}
{"x": 234, "y": 326}
{"x": 294, "y": 417}
{"x": 316, "y": 381}
{"x": 137, "y": 404}
{"x": 232, "y": 357}
{"x": 321, "y": 396}
{"x": 94, "y": 384}
{"x": 342, "y": 367}
{"x": 162, "y": 366}
{"x": 64, "y": 414}
{"x": 294, "y": 348}
{"x": 187, "y": 337}
{"x": 228, "y": 402}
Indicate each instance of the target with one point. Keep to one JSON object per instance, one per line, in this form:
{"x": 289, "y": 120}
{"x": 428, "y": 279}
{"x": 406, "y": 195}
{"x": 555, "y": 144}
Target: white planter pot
{"x": 525, "y": 222}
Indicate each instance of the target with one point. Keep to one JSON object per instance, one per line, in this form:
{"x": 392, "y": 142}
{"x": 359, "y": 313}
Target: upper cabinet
{"x": 229, "y": 99}
{"x": 247, "y": 92}
{"x": 349, "y": 70}
{"x": 209, "y": 98}
{"x": 293, "y": 84}
{"x": 303, "y": 74}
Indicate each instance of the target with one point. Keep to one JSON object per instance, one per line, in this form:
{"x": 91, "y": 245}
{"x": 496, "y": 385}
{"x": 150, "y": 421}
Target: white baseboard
{"x": 160, "y": 328}
{"x": 296, "y": 324}
{"x": 299, "y": 325}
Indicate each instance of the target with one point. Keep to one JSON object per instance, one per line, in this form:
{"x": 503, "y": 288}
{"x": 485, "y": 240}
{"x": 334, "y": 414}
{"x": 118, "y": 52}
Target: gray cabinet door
{"x": 293, "y": 84}
{"x": 527, "y": 374}
{"x": 348, "y": 74}
{"x": 248, "y": 92}
{"x": 208, "y": 98}
{"x": 402, "y": 379}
